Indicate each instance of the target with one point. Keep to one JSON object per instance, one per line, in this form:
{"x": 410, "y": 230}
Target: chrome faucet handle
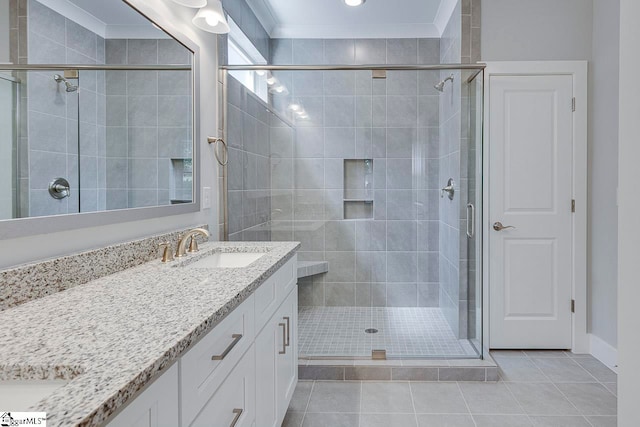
{"x": 167, "y": 253}
{"x": 193, "y": 245}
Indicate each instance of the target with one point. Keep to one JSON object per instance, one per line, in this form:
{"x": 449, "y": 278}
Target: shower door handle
{"x": 471, "y": 221}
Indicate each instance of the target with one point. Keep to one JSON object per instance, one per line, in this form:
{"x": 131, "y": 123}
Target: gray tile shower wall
{"x": 148, "y": 135}
{"x": 390, "y": 259}
{"x": 55, "y": 122}
{"x": 244, "y": 17}
{"x": 456, "y": 299}
{"x": 250, "y": 124}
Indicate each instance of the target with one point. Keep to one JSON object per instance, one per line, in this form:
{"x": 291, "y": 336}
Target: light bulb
{"x": 279, "y": 88}
{"x": 211, "y": 20}
{"x": 261, "y": 72}
{"x": 295, "y": 107}
{"x": 271, "y": 80}
{"x": 354, "y": 3}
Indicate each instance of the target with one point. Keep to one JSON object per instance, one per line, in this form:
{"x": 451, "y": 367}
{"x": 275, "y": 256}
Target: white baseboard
{"x": 604, "y": 352}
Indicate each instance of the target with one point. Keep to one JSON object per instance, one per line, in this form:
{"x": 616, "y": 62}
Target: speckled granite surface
{"x": 36, "y": 280}
{"x": 115, "y": 334}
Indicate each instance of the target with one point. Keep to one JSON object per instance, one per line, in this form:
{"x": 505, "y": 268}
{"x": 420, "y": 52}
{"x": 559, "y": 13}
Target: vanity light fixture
{"x": 295, "y": 107}
{"x": 354, "y": 3}
{"x": 211, "y": 18}
{"x": 196, "y": 4}
{"x": 271, "y": 80}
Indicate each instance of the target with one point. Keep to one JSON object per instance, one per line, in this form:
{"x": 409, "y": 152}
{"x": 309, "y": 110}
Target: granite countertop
{"x": 112, "y": 336}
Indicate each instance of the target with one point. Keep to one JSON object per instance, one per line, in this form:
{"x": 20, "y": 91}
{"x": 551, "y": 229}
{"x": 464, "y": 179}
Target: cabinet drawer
{"x": 207, "y": 364}
{"x": 233, "y": 404}
{"x": 274, "y": 290}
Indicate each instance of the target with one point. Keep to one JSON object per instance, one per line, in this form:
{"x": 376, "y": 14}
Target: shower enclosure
{"x": 376, "y": 171}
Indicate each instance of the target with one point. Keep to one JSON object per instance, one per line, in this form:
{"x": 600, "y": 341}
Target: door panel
{"x": 530, "y": 191}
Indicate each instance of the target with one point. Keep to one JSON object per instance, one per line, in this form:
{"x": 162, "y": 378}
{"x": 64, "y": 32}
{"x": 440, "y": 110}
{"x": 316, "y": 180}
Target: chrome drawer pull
{"x": 284, "y": 338}
{"x": 236, "y": 340}
{"x": 238, "y": 413}
{"x": 287, "y": 341}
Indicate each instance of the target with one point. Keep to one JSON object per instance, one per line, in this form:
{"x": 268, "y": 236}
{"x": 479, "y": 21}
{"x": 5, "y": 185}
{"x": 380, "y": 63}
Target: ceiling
{"x": 334, "y": 19}
{"x": 107, "y": 18}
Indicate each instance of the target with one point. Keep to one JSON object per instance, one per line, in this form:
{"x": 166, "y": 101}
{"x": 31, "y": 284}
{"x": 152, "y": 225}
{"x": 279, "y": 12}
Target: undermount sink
{"x": 227, "y": 260}
{"x": 20, "y": 395}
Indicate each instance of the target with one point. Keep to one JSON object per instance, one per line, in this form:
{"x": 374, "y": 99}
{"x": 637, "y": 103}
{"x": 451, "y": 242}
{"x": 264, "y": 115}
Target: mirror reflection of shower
{"x": 440, "y": 86}
{"x": 68, "y": 86}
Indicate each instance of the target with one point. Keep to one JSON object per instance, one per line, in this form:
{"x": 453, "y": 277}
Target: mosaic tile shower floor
{"x": 402, "y": 331}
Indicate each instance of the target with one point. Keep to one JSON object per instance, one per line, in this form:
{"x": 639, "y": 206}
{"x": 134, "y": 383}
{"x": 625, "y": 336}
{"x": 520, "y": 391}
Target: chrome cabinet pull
{"x": 499, "y": 227}
{"x": 284, "y": 338}
{"x": 238, "y": 413}
{"x": 236, "y": 340}
{"x": 471, "y": 221}
{"x": 287, "y": 341}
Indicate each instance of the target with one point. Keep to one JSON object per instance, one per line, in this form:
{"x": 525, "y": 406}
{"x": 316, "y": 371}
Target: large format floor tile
{"x": 541, "y": 399}
{"x": 438, "y": 398}
{"x": 489, "y": 398}
{"x": 536, "y": 389}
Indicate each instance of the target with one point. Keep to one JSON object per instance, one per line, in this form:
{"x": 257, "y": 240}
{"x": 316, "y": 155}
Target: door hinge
{"x": 573, "y": 306}
{"x": 573, "y": 104}
{"x": 573, "y": 205}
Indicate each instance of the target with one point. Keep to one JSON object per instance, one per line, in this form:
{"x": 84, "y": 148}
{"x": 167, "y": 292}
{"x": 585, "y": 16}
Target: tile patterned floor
{"x": 403, "y": 332}
{"x": 536, "y": 389}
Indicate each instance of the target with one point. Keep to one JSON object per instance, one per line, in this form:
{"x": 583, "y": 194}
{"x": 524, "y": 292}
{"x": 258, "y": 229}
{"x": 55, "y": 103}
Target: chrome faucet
{"x": 182, "y": 243}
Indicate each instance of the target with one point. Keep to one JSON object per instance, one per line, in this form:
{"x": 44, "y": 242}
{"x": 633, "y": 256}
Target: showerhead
{"x": 440, "y": 86}
{"x": 68, "y": 86}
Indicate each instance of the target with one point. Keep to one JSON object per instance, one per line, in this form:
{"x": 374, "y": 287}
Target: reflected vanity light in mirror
{"x": 211, "y": 18}
{"x": 196, "y": 4}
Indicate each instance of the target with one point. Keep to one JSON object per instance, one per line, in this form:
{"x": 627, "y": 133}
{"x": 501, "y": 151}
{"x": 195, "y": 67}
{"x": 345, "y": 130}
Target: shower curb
{"x": 399, "y": 370}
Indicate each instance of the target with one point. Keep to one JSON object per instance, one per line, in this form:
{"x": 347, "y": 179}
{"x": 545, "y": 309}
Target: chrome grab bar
{"x": 471, "y": 219}
{"x": 236, "y": 340}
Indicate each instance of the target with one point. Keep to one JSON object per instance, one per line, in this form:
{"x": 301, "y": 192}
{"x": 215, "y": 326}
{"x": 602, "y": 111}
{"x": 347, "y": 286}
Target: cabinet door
{"x": 233, "y": 404}
{"x": 287, "y": 366}
{"x": 157, "y": 406}
{"x": 268, "y": 345}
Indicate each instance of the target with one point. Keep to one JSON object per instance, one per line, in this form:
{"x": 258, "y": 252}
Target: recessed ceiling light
{"x": 354, "y": 2}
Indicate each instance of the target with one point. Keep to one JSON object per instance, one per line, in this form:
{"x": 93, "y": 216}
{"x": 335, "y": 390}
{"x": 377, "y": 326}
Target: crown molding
{"x": 366, "y": 31}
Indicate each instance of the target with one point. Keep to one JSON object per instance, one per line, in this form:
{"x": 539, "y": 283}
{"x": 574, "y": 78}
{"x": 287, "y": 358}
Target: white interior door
{"x": 530, "y": 173}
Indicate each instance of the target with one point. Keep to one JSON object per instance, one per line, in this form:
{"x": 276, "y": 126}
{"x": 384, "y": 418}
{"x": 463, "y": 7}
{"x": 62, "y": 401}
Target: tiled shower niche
{"x": 358, "y": 189}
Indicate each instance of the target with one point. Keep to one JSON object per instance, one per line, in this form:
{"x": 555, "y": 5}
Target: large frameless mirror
{"x": 112, "y": 131}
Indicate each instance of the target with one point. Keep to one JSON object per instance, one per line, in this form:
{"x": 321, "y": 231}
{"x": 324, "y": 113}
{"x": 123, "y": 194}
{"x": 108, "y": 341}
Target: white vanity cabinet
{"x": 241, "y": 374}
{"x": 157, "y": 406}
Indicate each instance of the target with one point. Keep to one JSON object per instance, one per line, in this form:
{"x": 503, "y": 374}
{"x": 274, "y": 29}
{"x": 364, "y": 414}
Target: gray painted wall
{"x": 519, "y": 30}
{"x": 603, "y": 168}
{"x": 522, "y": 30}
